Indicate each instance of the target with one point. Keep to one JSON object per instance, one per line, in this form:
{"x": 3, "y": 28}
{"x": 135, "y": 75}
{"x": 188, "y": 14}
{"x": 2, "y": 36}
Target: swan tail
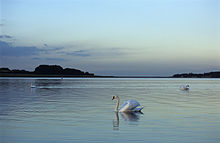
{"x": 138, "y": 108}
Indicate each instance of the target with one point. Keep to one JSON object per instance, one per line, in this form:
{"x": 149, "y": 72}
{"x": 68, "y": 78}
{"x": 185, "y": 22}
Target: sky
{"x": 112, "y": 37}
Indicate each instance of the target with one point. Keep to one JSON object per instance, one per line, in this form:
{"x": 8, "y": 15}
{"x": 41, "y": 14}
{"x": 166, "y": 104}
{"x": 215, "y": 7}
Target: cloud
{"x": 48, "y": 49}
{"x": 5, "y": 37}
{"x": 79, "y": 53}
{"x": 55, "y": 59}
{"x": 36, "y": 58}
{"x": 6, "y": 49}
{"x": 95, "y": 52}
{"x": 49, "y": 59}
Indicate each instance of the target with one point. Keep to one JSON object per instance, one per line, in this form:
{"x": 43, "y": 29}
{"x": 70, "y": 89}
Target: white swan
{"x": 128, "y": 106}
{"x": 184, "y": 87}
{"x": 33, "y": 86}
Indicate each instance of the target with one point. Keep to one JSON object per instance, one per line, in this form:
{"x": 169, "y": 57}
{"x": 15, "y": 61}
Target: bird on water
{"x": 128, "y": 106}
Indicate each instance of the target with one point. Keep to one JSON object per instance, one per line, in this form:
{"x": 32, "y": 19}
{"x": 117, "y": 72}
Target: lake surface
{"x": 81, "y": 110}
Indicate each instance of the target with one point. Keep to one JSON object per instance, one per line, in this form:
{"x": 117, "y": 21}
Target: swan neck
{"x": 117, "y": 104}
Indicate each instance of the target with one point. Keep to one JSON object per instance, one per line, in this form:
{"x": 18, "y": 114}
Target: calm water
{"x": 81, "y": 110}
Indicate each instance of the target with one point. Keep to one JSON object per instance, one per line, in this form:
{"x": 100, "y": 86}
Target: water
{"x": 81, "y": 110}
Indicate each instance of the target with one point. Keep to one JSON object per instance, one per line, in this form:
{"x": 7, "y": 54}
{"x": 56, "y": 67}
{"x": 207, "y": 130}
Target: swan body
{"x": 33, "y": 86}
{"x": 184, "y": 87}
{"x": 128, "y": 106}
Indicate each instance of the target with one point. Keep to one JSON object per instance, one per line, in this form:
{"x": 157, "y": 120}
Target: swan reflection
{"x": 126, "y": 116}
{"x": 116, "y": 122}
{"x": 131, "y": 116}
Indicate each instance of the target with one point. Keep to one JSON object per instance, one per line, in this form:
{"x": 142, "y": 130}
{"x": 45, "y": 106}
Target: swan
{"x": 128, "y": 106}
{"x": 184, "y": 87}
{"x": 33, "y": 86}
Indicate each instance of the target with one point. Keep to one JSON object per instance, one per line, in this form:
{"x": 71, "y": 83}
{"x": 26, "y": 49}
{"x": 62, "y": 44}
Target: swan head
{"x": 114, "y": 97}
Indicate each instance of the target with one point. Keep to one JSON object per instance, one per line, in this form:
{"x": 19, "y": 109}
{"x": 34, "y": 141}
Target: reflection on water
{"x": 126, "y": 116}
{"x": 131, "y": 116}
{"x": 116, "y": 122}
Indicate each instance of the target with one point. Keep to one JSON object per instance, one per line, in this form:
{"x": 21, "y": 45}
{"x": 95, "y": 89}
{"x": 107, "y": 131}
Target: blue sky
{"x": 112, "y": 37}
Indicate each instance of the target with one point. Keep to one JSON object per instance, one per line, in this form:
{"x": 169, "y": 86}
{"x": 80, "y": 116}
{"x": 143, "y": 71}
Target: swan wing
{"x": 129, "y": 105}
{"x": 138, "y": 109}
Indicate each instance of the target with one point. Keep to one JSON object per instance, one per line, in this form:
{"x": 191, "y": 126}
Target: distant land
{"x": 58, "y": 71}
{"x": 193, "y": 75}
{"x": 45, "y": 71}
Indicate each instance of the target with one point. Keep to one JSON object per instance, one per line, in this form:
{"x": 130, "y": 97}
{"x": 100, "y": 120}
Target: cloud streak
{"x": 94, "y": 51}
{"x": 79, "y": 53}
{"x": 6, "y": 49}
{"x": 49, "y": 59}
{"x": 5, "y": 37}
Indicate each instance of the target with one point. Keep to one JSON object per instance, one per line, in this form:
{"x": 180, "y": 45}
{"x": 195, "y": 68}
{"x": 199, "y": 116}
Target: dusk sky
{"x": 112, "y": 37}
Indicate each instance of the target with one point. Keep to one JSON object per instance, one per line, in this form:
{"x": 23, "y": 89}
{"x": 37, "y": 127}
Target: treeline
{"x": 193, "y": 75}
{"x": 45, "y": 70}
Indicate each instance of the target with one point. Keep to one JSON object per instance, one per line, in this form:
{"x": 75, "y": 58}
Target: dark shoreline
{"x": 56, "y": 71}
{"x": 99, "y": 76}
{"x": 73, "y": 76}
{"x": 42, "y": 75}
{"x": 31, "y": 75}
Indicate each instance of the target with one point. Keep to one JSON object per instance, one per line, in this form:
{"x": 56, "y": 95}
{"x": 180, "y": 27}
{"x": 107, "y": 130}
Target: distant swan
{"x": 33, "y": 86}
{"x": 184, "y": 87}
{"x": 128, "y": 106}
